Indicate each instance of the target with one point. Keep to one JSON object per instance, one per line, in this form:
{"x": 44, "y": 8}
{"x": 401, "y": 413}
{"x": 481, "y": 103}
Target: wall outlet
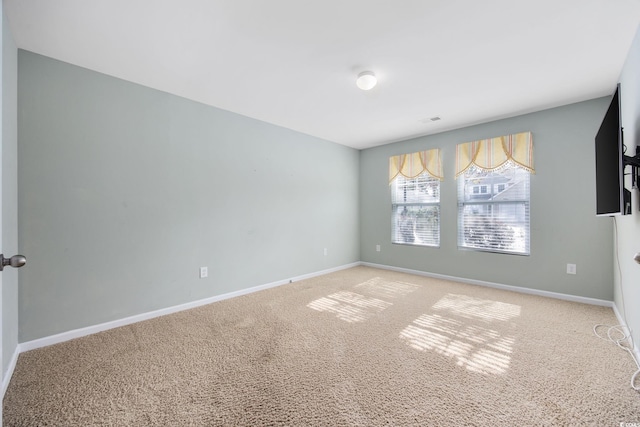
{"x": 377, "y": 248}
{"x": 571, "y": 269}
{"x": 204, "y": 272}
{"x": 325, "y": 251}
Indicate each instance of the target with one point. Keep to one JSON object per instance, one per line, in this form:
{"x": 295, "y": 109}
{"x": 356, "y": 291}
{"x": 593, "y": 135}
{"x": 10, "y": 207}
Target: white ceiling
{"x": 293, "y": 63}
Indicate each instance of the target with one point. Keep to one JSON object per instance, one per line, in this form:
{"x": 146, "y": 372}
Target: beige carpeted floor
{"x": 361, "y": 347}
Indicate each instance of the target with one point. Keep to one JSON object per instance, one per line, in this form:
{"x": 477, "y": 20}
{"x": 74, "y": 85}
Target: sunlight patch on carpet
{"x": 349, "y": 306}
{"x": 454, "y": 332}
{"x": 385, "y": 288}
{"x": 470, "y": 307}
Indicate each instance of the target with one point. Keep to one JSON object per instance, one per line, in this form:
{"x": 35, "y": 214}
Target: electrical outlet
{"x": 571, "y": 269}
{"x": 325, "y": 251}
{"x": 204, "y": 272}
{"x": 377, "y": 248}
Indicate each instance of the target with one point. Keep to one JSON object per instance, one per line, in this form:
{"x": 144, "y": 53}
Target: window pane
{"x": 493, "y": 210}
{"x": 422, "y": 189}
{"x": 509, "y": 183}
{"x": 498, "y": 227}
{"x": 415, "y": 218}
{"x": 416, "y": 225}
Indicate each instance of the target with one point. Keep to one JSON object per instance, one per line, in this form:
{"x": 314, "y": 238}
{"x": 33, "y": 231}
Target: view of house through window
{"x": 493, "y": 209}
{"x": 416, "y": 210}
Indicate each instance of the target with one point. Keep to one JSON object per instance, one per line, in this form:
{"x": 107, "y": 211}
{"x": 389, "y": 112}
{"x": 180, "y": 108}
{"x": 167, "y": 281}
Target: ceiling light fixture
{"x": 366, "y": 80}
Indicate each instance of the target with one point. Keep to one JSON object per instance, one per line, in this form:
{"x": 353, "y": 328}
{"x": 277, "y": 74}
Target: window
{"x": 493, "y": 193}
{"x": 496, "y": 221}
{"x": 415, "y": 204}
{"x": 414, "y": 180}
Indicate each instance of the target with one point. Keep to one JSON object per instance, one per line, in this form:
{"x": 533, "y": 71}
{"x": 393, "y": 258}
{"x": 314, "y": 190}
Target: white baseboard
{"x": 77, "y": 333}
{"x": 573, "y": 298}
{"x": 622, "y": 321}
{"x": 530, "y": 291}
{"x": 9, "y": 373}
{"x": 81, "y": 332}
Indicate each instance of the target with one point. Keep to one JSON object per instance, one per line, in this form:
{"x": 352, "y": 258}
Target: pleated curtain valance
{"x": 414, "y": 164}
{"x": 490, "y": 154}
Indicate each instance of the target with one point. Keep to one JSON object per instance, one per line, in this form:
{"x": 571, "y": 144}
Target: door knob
{"x": 15, "y": 261}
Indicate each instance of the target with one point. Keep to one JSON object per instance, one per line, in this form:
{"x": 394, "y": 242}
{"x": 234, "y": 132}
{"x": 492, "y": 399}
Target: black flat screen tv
{"x": 611, "y": 196}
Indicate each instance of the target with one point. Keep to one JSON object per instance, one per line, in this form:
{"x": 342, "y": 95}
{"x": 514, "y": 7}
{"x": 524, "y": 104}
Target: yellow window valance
{"x": 490, "y": 154}
{"x": 412, "y": 165}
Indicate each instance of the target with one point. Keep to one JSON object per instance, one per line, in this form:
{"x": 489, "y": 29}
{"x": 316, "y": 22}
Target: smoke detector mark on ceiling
{"x": 431, "y": 119}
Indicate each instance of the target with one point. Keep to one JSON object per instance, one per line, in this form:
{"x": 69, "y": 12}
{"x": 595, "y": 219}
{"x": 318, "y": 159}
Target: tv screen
{"x": 610, "y": 191}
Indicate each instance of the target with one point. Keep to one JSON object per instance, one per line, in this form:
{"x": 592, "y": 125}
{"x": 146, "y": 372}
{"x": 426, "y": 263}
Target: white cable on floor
{"x": 626, "y": 338}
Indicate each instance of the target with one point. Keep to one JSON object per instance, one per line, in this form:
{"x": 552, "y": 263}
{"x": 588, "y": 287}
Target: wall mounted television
{"x": 611, "y": 196}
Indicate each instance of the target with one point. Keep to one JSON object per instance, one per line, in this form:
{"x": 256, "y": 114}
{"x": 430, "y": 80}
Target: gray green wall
{"x": 126, "y": 191}
{"x": 9, "y": 194}
{"x": 627, "y": 278}
{"x": 564, "y": 228}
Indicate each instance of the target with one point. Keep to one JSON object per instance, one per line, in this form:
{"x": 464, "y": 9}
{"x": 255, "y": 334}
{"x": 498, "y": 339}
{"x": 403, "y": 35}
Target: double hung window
{"x": 494, "y": 194}
{"x": 415, "y": 198}
{"x": 496, "y": 219}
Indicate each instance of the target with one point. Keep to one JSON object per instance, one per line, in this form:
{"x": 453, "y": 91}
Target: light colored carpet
{"x": 358, "y": 347}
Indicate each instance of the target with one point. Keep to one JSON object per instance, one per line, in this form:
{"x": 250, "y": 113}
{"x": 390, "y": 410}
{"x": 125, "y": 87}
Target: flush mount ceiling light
{"x": 366, "y": 80}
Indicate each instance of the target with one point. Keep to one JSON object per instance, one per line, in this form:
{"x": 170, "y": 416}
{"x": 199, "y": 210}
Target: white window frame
{"x": 507, "y": 237}
{"x": 406, "y": 230}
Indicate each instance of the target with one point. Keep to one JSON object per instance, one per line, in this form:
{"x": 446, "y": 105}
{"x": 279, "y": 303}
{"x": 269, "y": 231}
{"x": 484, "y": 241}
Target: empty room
{"x": 247, "y": 213}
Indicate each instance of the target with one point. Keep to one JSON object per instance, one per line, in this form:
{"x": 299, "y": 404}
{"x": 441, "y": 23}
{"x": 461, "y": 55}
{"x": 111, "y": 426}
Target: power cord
{"x": 625, "y": 341}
